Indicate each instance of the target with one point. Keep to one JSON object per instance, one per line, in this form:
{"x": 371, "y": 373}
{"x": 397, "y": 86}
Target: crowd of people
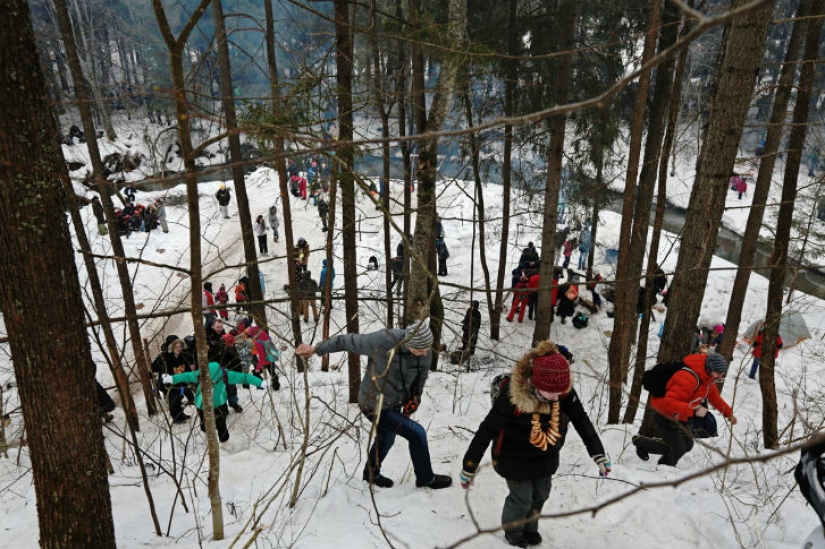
{"x": 532, "y": 407}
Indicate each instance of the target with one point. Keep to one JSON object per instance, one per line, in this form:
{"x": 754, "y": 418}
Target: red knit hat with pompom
{"x": 551, "y": 373}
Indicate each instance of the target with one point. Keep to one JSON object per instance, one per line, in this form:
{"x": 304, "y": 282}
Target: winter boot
{"x": 380, "y": 480}
{"x": 516, "y": 540}
{"x": 438, "y": 482}
{"x": 533, "y": 538}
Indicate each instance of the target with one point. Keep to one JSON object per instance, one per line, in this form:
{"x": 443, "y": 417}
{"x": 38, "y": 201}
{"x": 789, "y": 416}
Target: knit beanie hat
{"x": 719, "y": 329}
{"x": 551, "y": 373}
{"x": 716, "y": 363}
{"x": 419, "y": 334}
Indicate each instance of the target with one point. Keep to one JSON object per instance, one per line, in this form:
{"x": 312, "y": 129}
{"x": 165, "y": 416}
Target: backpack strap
{"x": 694, "y": 374}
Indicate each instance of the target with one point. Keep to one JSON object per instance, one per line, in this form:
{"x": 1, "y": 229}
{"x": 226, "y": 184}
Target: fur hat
{"x": 551, "y": 373}
{"x": 419, "y": 334}
{"x": 716, "y": 363}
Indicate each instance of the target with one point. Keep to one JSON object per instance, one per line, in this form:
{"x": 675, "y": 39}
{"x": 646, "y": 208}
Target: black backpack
{"x": 655, "y": 380}
{"x": 580, "y": 321}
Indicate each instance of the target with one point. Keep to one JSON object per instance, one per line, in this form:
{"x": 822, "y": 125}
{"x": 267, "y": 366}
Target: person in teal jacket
{"x": 220, "y": 378}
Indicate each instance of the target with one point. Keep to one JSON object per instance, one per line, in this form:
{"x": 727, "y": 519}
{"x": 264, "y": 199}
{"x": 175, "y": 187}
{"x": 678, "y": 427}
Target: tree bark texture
{"x": 764, "y": 177}
{"x": 568, "y": 14}
{"x": 744, "y": 43}
{"x": 624, "y": 319}
{"x": 344, "y": 156}
{"x": 41, "y": 301}
{"x": 779, "y": 258}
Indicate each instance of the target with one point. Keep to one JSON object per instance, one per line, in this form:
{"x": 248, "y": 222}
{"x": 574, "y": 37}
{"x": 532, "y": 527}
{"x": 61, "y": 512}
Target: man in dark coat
{"x": 223, "y": 196}
{"x": 470, "y": 327}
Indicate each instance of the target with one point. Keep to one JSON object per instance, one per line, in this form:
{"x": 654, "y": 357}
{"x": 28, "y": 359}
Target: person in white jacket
{"x": 260, "y": 228}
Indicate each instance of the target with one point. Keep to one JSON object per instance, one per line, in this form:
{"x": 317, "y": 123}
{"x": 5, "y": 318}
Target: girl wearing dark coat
{"x": 529, "y": 423}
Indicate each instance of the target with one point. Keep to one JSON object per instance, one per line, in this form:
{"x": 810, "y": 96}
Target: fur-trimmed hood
{"x": 522, "y": 395}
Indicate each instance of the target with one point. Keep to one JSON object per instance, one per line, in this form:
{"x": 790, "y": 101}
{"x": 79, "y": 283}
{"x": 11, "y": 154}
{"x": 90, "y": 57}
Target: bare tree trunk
{"x": 624, "y": 312}
{"x": 667, "y": 147}
{"x": 65, "y": 441}
{"x": 258, "y": 308}
{"x": 176, "y": 50}
{"x": 568, "y": 14}
{"x": 344, "y": 157}
{"x": 744, "y": 43}
{"x": 82, "y": 95}
{"x": 495, "y": 306}
{"x": 763, "y": 182}
{"x": 280, "y": 164}
{"x": 779, "y": 258}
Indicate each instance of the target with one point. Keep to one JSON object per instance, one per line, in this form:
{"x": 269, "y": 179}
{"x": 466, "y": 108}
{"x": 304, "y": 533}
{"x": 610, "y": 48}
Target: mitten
{"x": 412, "y": 405}
{"x": 466, "y": 478}
{"x": 264, "y": 384}
{"x": 167, "y": 379}
{"x": 604, "y": 464}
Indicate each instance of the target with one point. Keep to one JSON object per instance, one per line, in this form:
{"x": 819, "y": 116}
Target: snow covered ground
{"x": 640, "y": 505}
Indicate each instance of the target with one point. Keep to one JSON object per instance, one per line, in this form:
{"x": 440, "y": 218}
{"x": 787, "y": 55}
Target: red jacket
{"x": 757, "y": 345}
{"x": 683, "y": 395}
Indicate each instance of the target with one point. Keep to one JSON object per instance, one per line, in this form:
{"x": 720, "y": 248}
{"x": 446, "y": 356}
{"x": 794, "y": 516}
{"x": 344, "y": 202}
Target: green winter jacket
{"x": 218, "y": 384}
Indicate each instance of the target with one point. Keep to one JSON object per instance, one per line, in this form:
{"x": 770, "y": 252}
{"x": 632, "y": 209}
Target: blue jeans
{"x": 754, "y": 367}
{"x": 583, "y": 259}
{"x": 391, "y": 424}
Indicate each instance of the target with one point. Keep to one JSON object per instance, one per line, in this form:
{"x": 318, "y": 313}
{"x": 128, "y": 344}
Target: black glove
{"x": 412, "y": 405}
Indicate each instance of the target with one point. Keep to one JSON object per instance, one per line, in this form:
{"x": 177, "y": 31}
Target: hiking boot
{"x": 275, "y": 384}
{"x": 532, "y": 538}
{"x": 641, "y": 452}
{"x": 380, "y": 480}
{"x": 236, "y": 407}
{"x": 438, "y": 482}
{"x": 516, "y": 540}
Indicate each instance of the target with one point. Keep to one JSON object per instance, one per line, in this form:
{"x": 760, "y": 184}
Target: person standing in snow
{"x": 323, "y": 211}
{"x": 322, "y": 281}
{"x": 274, "y": 222}
{"x": 207, "y": 300}
{"x": 529, "y": 420}
{"x": 584, "y": 248}
{"x": 160, "y": 215}
{"x": 308, "y": 289}
{"x": 398, "y": 364}
{"x": 470, "y": 327}
{"x": 757, "y": 350}
{"x": 97, "y": 210}
{"x": 224, "y": 196}
{"x": 260, "y": 229}
{"x": 687, "y": 393}
{"x": 302, "y": 254}
{"x": 568, "y": 252}
{"x": 443, "y": 256}
{"x": 222, "y": 297}
{"x": 521, "y": 294}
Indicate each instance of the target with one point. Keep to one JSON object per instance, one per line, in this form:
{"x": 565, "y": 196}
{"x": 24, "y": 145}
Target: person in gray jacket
{"x": 398, "y": 363}
{"x": 274, "y": 222}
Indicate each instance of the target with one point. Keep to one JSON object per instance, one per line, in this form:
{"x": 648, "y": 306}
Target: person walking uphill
{"x": 398, "y": 363}
{"x": 224, "y": 196}
{"x": 529, "y": 422}
{"x": 220, "y": 377}
{"x": 685, "y": 395}
{"x": 260, "y": 229}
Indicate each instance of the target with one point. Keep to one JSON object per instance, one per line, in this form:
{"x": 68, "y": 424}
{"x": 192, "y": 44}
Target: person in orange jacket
{"x": 685, "y": 397}
{"x": 757, "y": 350}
